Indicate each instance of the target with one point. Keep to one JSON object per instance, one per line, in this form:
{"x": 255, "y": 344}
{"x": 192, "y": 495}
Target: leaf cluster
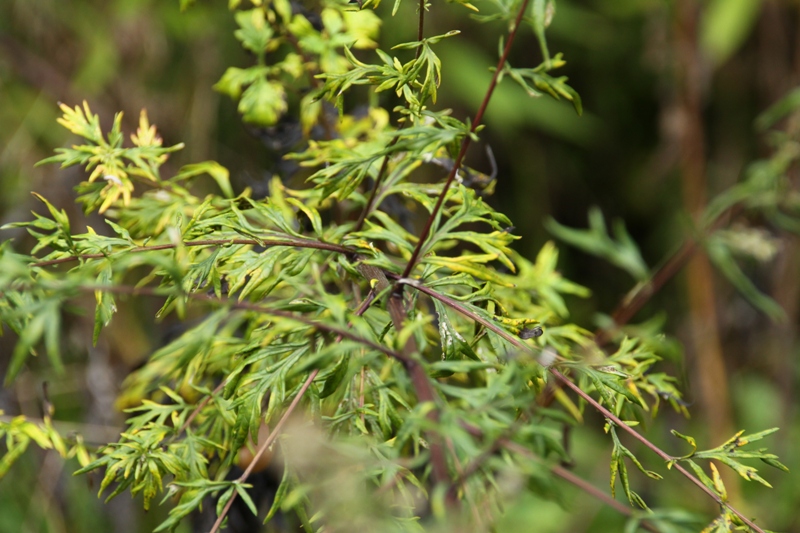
{"x": 427, "y": 389}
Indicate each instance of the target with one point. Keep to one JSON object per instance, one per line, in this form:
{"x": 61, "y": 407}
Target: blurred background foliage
{"x": 651, "y": 74}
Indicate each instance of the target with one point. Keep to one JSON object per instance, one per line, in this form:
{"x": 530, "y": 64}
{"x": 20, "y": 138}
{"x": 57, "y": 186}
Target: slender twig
{"x": 503, "y": 441}
{"x": 466, "y": 141}
{"x": 263, "y": 448}
{"x": 248, "y": 306}
{"x": 453, "y": 304}
{"x": 268, "y": 442}
{"x": 420, "y": 27}
{"x": 422, "y": 387}
{"x": 417, "y": 374}
{"x": 591, "y": 401}
{"x": 419, "y": 377}
{"x": 579, "y": 482}
{"x": 632, "y": 304}
{"x": 385, "y": 164}
{"x": 200, "y": 406}
{"x": 655, "y": 449}
{"x": 297, "y": 243}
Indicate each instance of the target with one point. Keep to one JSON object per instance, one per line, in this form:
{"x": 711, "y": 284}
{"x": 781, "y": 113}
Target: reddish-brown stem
{"x": 199, "y": 408}
{"x": 419, "y": 377}
{"x": 591, "y": 401}
{"x": 630, "y": 305}
{"x": 235, "y": 304}
{"x": 420, "y": 27}
{"x": 276, "y": 431}
{"x": 263, "y": 448}
{"x": 505, "y": 442}
{"x": 627, "y": 309}
{"x": 655, "y": 449}
{"x": 385, "y": 163}
{"x": 581, "y": 483}
{"x": 465, "y": 143}
{"x": 453, "y": 304}
{"x": 422, "y": 387}
{"x": 298, "y": 243}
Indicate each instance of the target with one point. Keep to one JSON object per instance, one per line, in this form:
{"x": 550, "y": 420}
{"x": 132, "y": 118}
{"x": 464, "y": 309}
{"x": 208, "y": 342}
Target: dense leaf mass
{"x": 424, "y": 396}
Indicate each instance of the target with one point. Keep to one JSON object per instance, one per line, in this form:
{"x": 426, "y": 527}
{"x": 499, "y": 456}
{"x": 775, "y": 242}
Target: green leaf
{"x": 336, "y": 378}
{"x": 542, "y": 11}
{"x": 622, "y": 252}
{"x": 105, "y": 307}
{"x": 254, "y": 31}
{"x": 241, "y": 490}
{"x": 720, "y": 254}
{"x": 725, "y": 26}
{"x": 219, "y": 173}
{"x": 263, "y": 102}
{"x": 779, "y": 109}
{"x": 453, "y": 344}
{"x": 689, "y": 440}
{"x": 280, "y": 495}
{"x": 235, "y": 79}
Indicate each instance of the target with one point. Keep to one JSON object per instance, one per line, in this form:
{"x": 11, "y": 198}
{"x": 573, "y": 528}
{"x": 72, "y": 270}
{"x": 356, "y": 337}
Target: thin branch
{"x": 504, "y": 442}
{"x": 274, "y": 434}
{"x": 385, "y": 164}
{"x": 417, "y": 373}
{"x": 465, "y": 143}
{"x": 247, "y": 306}
{"x": 591, "y": 401}
{"x": 422, "y": 386}
{"x": 579, "y": 482}
{"x": 453, "y": 304}
{"x": 200, "y": 406}
{"x": 297, "y": 243}
{"x": 420, "y": 27}
{"x": 263, "y": 448}
{"x": 419, "y": 377}
{"x": 632, "y": 304}
{"x": 658, "y": 451}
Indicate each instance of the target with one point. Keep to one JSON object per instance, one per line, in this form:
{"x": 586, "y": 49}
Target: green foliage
{"x": 421, "y": 393}
{"x": 726, "y": 25}
{"x": 621, "y": 252}
{"x": 19, "y": 433}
